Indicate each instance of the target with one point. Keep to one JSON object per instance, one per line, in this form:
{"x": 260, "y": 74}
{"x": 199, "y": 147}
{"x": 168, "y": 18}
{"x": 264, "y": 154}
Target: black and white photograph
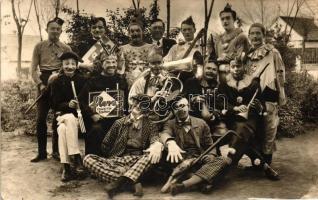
{"x": 158, "y": 99}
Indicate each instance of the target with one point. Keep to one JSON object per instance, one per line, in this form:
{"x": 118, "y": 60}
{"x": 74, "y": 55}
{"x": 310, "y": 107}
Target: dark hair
{"x": 258, "y": 25}
{"x": 188, "y": 21}
{"x": 228, "y": 9}
{"x": 57, "y": 20}
{"x": 158, "y": 20}
{"x": 95, "y": 20}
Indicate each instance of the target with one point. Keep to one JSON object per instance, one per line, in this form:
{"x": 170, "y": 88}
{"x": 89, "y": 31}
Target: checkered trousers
{"x": 110, "y": 169}
{"x": 209, "y": 167}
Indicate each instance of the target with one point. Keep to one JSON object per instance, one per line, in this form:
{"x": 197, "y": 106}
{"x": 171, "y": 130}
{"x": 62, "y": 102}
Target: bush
{"x": 16, "y": 97}
{"x": 291, "y": 119}
{"x": 302, "y": 97}
{"x": 302, "y": 87}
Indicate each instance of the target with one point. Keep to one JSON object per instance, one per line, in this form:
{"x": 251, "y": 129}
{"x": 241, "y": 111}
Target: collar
{"x": 227, "y": 37}
{"x": 260, "y": 52}
{"x": 57, "y": 43}
{"x": 239, "y": 85}
{"x": 135, "y": 122}
{"x": 155, "y": 41}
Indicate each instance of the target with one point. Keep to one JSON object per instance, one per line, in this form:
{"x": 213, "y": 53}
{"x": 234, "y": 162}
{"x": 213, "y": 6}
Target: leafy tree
{"x": 78, "y": 29}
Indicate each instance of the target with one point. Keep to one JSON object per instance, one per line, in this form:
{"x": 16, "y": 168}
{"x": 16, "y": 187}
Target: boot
{"x": 77, "y": 166}
{"x": 39, "y": 158}
{"x": 177, "y": 188}
{"x": 114, "y": 187}
{"x": 67, "y": 173}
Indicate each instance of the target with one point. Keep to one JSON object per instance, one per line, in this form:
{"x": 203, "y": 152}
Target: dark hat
{"x": 70, "y": 54}
{"x": 57, "y": 20}
{"x": 188, "y": 21}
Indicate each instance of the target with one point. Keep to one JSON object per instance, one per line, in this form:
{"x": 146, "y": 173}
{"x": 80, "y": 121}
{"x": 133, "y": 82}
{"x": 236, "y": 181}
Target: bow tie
{"x": 136, "y": 123}
{"x": 184, "y": 123}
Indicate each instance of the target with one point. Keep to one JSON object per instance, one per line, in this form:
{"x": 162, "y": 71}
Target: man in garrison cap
{"x": 178, "y": 50}
{"x": 231, "y": 43}
{"x": 46, "y": 60}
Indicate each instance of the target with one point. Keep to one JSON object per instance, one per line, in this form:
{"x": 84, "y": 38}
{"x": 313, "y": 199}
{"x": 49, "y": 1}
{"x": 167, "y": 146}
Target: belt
{"x": 49, "y": 71}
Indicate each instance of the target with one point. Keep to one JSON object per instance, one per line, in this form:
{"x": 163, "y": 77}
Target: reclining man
{"x": 124, "y": 146}
{"x": 186, "y": 137}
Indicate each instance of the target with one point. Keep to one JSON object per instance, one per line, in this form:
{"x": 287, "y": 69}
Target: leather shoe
{"x": 271, "y": 174}
{"x": 67, "y": 173}
{"x": 56, "y": 156}
{"x": 207, "y": 188}
{"x": 39, "y": 158}
{"x": 176, "y": 188}
{"x": 114, "y": 187}
{"x": 138, "y": 190}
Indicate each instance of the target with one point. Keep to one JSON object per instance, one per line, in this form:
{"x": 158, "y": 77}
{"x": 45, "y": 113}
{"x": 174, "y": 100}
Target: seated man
{"x": 152, "y": 81}
{"x": 240, "y": 89}
{"x": 124, "y": 146}
{"x": 65, "y": 104}
{"x": 98, "y": 124}
{"x": 186, "y": 137}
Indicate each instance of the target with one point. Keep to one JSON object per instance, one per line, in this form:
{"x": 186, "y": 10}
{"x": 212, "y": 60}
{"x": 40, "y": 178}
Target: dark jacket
{"x": 166, "y": 45}
{"x": 115, "y": 141}
{"x": 201, "y": 133}
{"x": 62, "y": 92}
{"x": 100, "y": 83}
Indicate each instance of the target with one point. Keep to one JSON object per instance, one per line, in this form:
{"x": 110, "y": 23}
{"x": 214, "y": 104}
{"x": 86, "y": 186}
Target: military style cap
{"x": 70, "y": 54}
{"x": 57, "y": 20}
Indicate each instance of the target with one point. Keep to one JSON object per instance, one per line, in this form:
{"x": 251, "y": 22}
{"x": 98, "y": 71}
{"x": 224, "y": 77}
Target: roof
{"x": 303, "y": 26}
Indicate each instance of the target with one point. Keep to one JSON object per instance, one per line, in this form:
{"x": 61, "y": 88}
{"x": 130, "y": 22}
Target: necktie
{"x": 158, "y": 43}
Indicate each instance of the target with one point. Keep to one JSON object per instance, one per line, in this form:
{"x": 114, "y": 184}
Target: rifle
{"x": 179, "y": 172}
{"x": 43, "y": 93}
{"x": 78, "y": 109}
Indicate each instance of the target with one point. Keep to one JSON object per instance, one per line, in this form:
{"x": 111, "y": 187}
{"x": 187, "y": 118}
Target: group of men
{"x": 248, "y": 77}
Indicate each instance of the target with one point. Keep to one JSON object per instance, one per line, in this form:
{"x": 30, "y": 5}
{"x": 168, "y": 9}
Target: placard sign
{"x": 108, "y": 103}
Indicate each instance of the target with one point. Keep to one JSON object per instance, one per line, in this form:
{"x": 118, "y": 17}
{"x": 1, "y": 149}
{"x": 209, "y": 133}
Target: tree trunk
{"x": 57, "y": 9}
{"x": 168, "y": 18}
{"x": 38, "y": 18}
{"x": 77, "y": 6}
{"x": 19, "y": 54}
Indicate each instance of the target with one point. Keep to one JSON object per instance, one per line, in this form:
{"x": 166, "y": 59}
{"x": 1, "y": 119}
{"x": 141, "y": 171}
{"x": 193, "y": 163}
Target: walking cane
{"x": 78, "y": 109}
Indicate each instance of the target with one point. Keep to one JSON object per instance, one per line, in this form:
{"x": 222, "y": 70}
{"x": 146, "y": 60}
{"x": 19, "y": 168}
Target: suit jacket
{"x": 200, "y": 130}
{"x": 166, "y": 45}
{"x": 115, "y": 141}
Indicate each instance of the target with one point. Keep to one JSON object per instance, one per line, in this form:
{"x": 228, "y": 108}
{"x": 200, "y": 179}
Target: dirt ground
{"x": 296, "y": 160}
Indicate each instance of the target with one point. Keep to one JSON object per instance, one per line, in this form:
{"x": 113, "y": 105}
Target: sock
{"x": 192, "y": 181}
